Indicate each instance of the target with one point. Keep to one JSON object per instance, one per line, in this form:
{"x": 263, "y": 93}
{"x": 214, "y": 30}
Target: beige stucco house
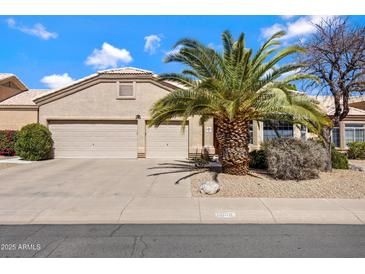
{"x": 10, "y": 85}
{"x": 16, "y": 103}
{"x": 351, "y": 129}
{"x": 105, "y": 115}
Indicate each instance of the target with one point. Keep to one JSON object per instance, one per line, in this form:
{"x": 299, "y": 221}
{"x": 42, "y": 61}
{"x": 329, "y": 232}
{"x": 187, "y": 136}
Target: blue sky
{"x": 50, "y": 51}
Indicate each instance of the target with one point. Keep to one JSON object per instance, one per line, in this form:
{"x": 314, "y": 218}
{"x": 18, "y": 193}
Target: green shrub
{"x": 7, "y": 142}
{"x": 34, "y": 143}
{"x": 200, "y": 160}
{"x": 339, "y": 160}
{"x": 356, "y": 150}
{"x": 294, "y": 159}
{"x": 258, "y": 159}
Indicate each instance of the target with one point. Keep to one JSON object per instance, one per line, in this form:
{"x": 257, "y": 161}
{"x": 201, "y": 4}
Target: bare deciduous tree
{"x": 336, "y": 55}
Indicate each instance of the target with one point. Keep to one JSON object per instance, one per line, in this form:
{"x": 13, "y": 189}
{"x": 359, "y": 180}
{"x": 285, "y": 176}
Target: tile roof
{"x": 24, "y": 98}
{"x": 328, "y": 105}
{"x": 5, "y": 75}
{"x": 355, "y": 99}
{"x": 19, "y": 83}
{"x": 178, "y": 85}
{"x": 126, "y": 70}
{"x": 113, "y": 71}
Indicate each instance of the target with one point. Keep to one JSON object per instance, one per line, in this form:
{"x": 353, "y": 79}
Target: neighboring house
{"x": 16, "y": 105}
{"x": 104, "y": 115}
{"x": 351, "y": 129}
{"x": 10, "y": 85}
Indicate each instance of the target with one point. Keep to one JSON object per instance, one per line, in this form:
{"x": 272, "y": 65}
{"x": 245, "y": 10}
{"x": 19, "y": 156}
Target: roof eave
{"x": 9, "y": 107}
{"x": 17, "y": 81}
{"x": 100, "y": 77}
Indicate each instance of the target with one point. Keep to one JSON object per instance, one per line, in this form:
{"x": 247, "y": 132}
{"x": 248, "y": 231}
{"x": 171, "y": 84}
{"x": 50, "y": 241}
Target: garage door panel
{"x": 94, "y": 139}
{"x": 101, "y": 140}
{"x": 167, "y": 141}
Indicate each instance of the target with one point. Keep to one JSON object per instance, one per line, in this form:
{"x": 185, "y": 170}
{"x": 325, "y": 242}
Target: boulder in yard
{"x": 209, "y": 187}
{"x": 355, "y": 168}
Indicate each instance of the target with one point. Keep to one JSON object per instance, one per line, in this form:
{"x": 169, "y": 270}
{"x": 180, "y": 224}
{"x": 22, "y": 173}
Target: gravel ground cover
{"x": 345, "y": 184}
{"x": 359, "y": 163}
{"x": 6, "y": 165}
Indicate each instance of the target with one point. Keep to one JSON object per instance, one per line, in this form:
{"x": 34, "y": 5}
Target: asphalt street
{"x": 181, "y": 240}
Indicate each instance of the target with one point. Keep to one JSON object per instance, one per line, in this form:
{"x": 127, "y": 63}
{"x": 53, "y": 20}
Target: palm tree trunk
{"x": 233, "y": 140}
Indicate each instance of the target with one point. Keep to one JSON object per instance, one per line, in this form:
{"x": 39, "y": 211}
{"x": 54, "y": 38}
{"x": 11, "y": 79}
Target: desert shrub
{"x": 339, "y": 160}
{"x": 258, "y": 159}
{"x": 200, "y": 160}
{"x": 7, "y": 142}
{"x": 356, "y": 150}
{"x": 34, "y": 142}
{"x": 289, "y": 158}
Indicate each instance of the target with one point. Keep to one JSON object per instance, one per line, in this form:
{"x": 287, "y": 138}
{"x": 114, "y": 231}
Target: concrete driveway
{"x": 88, "y": 190}
{"x": 74, "y": 191}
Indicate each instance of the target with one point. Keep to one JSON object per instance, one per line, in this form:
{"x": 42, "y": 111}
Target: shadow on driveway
{"x": 178, "y": 166}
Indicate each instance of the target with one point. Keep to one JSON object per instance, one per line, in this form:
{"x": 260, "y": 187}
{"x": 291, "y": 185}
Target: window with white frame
{"x": 354, "y": 133}
{"x": 275, "y": 128}
{"x": 126, "y": 90}
{"x": 335, "y": 136}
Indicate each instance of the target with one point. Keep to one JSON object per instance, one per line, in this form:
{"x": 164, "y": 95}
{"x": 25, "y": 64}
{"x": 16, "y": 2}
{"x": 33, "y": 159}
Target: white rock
{"x": 355, "y": 168}
{"x": 209, "y": 187}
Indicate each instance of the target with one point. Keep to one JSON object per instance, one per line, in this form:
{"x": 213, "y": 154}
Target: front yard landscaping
{"x": 345, "y": 184}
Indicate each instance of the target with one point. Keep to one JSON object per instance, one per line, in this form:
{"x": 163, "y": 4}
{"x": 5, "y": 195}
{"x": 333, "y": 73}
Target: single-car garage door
{"x": 94, "y": 139}
{"x": 167, "y": 141}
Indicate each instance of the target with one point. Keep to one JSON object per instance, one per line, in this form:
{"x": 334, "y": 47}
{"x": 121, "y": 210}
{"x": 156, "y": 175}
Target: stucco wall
{"x": 100, "y": 102}
{"x": 15, "y": 118}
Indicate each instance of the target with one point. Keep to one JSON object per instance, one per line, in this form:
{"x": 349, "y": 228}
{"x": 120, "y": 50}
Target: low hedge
{"x": 34, "y": 143}
{"x": 8, "y": 139}
{"x": 356, "y": 150}
{"x": 339, "y": 160}
{"x": 258, "y": 159}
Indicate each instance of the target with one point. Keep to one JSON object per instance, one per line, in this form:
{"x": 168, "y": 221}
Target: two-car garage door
{"x": 116, "y": 139}
{"x": 94, "y": 139}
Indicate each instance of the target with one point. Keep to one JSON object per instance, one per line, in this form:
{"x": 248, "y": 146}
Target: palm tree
{"x": 234, "y": 87}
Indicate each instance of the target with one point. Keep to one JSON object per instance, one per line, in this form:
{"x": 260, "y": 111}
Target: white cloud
{"x": 108, "y": 56}
{"x": 287, "y": 17}
{"x": 11, "y": 22}
{"x": 37, "y": 30}
{"x": 57, "y": 80}
{"x": 152, "y": 43}
{"x": 302, "y": 26}
{"x": 174, "y": 50}
{"x": 267, "y": 32}
{"x": 216, "y": 47}
{"x": 290, "y": 73}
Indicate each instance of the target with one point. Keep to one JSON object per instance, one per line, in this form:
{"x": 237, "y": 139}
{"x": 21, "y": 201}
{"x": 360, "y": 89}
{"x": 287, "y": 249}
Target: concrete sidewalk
{"x": 185, "y": 210}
